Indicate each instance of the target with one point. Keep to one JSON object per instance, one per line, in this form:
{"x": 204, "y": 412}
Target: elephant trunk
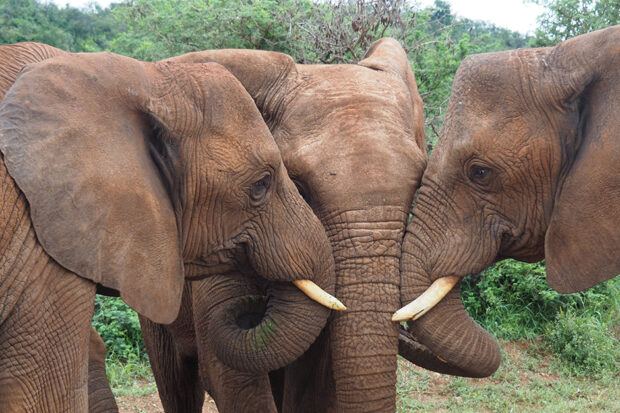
{"x": 364, "y": 340}
{"x": 252, "y": 332}
{"x": 447, "y": 330}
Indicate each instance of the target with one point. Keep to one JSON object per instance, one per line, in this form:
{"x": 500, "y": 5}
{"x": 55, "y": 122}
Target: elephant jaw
{"x": 425, "y": 302}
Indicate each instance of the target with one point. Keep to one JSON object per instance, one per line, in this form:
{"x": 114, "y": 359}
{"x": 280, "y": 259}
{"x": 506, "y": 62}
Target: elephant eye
{"x": 477, "y": 172}
{"x": 259, "y": 188}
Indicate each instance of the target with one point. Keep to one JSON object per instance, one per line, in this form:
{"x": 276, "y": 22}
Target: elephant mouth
{"x": 230, "y": 260}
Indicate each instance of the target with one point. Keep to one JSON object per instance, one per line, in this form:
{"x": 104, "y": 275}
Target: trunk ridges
{"x": 447, "y": 330}
{"x": 364, "y": 345}
{"x": 289, "y": 322}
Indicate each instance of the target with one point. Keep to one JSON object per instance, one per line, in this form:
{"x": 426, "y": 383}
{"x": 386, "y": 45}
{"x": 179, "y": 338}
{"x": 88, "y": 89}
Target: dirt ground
{"x": 151, "y": 404}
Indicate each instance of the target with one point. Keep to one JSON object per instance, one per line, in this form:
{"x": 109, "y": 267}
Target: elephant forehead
{"x": 346, "y": 102}
{"x": 340, "y": 85}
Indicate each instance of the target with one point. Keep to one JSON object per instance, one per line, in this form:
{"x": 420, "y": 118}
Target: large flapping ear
{"x": 387, "y": 55}
{"x": 582, "y": 244}
{"x": 267, "y": 76}
{"x": 16, "y": 56}
{"x": 76, "y": 136}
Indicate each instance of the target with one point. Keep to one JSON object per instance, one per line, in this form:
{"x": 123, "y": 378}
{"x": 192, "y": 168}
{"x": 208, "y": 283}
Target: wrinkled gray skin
{"x": 100, "y": 397}
{"x": 352, "y": 139}
{"x": 528, "y": 167}
{"x": 136, "y": 176}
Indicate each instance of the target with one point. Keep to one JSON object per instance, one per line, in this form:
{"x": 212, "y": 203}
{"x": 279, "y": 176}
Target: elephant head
{"x": 139, "y": 175}
{"x": 528, "y": 167}
{"x": 352, "y": 139}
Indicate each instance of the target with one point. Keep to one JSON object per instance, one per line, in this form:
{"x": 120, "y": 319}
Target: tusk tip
{"x": 398, "y": 317}
{"x": 320, "y": 296}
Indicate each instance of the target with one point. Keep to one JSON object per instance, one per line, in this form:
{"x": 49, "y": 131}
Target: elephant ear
{"x": 77, "y": 138}
{"x": 387, "y": 55}
{"x": 265, "y": 75}
{"x": 583, "y": 237}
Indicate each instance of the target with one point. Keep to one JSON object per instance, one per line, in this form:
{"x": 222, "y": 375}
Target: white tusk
{"x": 429, "y": 299}
{"x": 319, "y": 295}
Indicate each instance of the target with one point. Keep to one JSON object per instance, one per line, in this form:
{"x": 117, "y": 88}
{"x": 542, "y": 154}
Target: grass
{"x": 130, "y": 378}
{"x": 526, "y": 381}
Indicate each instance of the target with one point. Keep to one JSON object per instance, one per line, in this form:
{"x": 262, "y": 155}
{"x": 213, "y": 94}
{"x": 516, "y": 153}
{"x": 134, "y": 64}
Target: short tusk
{"x": 429, "y": 299}
{"x": 319, "y": 295}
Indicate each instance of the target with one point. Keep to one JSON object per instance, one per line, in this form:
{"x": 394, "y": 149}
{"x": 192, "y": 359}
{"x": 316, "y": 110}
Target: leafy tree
{"x": 569, "y": 18}
{"x": 68, "y": 29}
{"x": 162, "y": 28}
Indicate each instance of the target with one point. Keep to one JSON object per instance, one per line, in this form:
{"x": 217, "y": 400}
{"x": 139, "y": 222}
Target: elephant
{"x": 352, "y": 139}
{"x": 527, "y": 166}
{"x": 14, "y": 57}
{"x": 135, "y": 176}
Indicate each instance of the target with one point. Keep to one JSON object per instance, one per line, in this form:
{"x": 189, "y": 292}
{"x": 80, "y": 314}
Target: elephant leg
{"x": 235, "y": 391}
{"x": 44, "y": 344}
{"x": 299, "y": 388}
{"x": 100, "y": 397}
{"x": 172, "y": 353}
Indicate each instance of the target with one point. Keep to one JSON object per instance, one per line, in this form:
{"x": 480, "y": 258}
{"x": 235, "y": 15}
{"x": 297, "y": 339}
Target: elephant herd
{"x": 239, "y": 202}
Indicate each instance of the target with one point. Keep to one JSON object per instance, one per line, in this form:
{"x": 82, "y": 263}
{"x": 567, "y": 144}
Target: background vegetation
{"x": 512, "y": 300}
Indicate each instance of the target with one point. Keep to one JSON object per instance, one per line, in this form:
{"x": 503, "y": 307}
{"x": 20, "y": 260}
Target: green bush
{"x": 584, "y": 344}
{"x": 513, "y": 300}
{"x": 119, "y": 328}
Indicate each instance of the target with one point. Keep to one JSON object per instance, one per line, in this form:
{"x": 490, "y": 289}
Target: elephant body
{"x": 30, "y": 377}
{"x": 14, "y": 57}
{"x": 30, "y": 279}
{"x": 352, "y": 139}
{"x": 527, "y": 166}
{"x": 135, "y": 176}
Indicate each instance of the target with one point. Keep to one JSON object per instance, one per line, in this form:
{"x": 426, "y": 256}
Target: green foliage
{"x": 162, "y": 28}
{"x": 119, "y": 328}
{"x": 584, "y": 344}
{"x": 68, "y": 29}
{"x": 569, "y": 18}
{"x": 513, "y": 301}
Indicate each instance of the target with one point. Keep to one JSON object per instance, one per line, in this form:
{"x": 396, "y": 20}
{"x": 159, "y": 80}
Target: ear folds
{"x": 77, "y": 144}
{"x": 387, "y": 55}
{"x": 263, "y": 74}
{"x": 582, "y": 244}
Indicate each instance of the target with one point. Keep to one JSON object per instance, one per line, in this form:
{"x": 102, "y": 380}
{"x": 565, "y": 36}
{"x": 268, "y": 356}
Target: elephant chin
{"x": 259, "y": 333}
